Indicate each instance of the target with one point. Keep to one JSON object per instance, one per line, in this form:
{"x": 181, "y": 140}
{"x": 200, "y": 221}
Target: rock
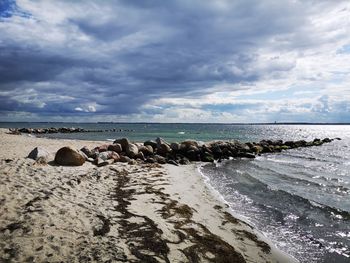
{"x": 289, "y": 144}
{"x": 193, "y": 155}
{"x": 207, "y": 157}
{"x": 175, "y": 146}
{"x": 267, "y": 148}
{"x": 69, "y": 156}
{"x": 153, "y": 144}
{"x": 257, "y": 149}
{"x": 300, "y": 143}
{"x": 90, "y": 160}
{"x": 140, "y": 156}
{"x": 217, "y": 152}
{"x": 163, "y": 149}
{"x": 284, "y": 147}
{"x": 160, "y": 159}
{"x": 241, "y": 147}
{"x": 124, "y": 159}
{"x": 173, "y": 162}
{"x": 87, "y": 151}
{"x": 132, "y": 162}
{"x": 185, "y": 145}
{"x": 124, "y": 142}
{"x": 326, "y": 140}
{"x": 338, "y": 139}
{"x": 250, "y": 145}
{"x": 108, "y": 155}
{"x": 150, "y": 160}
{"x": 277, "y": 143}
{"x": 83, "y": 154}
{"x": 132, "y": 150}
{"x": 317, "y": 142}
{"x": 160, "y": 141}
{"x": 103, "y": 148}
{"x": 146, "y": 150}
{"x": 277, "y": 148}
{"x": 184, "y": 161}
{"x": 116, "y": 147}
{"x": 39, "y": 153}
{"x": 247, "y": 155}
{"x": 100, "y": 162}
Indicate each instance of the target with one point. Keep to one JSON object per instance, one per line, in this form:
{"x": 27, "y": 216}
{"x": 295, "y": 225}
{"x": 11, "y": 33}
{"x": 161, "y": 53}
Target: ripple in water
{"x": 300, "y": 198}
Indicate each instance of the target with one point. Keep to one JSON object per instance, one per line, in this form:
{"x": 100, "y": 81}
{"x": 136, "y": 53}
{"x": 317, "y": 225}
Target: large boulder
{"x": 153, "y": 144}
{"x": 163, "y": 149}
{"x": 257, "y": 148}
{"x": 103, "y": 148}
{"x": 146, "y": 150}
{"x": 69, "y": 156}
{"x": 241, "y": 147}
{"x": 327, "y": 140}
{"x": 160, "y": 141}
{"x": 132, "y": 150}
{"x": 193, "y": 155}
{"x": 175, "y": 146}
{"x": 217, "y": 152}
{"x": 39, "y": 154}
{"x": 124, "y": 142}
{"x": 187, "y": 145}
{"x": 116, "y": 147}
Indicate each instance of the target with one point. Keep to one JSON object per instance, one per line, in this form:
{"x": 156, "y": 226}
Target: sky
{"x": 227, "y": 61}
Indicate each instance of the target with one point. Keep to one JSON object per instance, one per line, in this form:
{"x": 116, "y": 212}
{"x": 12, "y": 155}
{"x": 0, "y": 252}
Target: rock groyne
{"x": 162, "y": 152}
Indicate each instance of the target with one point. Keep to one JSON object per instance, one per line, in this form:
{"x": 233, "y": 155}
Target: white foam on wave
{"x": 219, "y": 196}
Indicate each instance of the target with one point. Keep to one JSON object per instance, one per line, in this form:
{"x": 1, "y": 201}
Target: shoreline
{"x": 119, "y": 212}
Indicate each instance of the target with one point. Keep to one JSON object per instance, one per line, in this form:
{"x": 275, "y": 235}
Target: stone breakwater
{"x": 162, "y": 152}
{"x": 60, "y": 130}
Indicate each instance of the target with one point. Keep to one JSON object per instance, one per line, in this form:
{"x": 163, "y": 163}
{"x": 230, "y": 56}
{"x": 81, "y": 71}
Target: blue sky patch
{"x": 9, "y": 8}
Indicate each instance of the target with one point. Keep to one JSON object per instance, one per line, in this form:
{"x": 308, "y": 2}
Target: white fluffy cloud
{"x": 215, "y": 61}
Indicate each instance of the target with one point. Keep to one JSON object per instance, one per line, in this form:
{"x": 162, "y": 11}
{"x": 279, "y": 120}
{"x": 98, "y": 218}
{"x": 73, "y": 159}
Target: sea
{"x": 299, "y": 199}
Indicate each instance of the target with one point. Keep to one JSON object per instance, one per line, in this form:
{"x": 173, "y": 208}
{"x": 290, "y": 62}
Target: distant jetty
{"x": 60, "y": 130}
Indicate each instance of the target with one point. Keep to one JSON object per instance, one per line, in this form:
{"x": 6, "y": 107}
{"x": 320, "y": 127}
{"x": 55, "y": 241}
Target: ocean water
{"x": 299, "y": 198}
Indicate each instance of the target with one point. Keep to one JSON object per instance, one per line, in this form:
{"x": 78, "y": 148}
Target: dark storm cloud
{"x": 116, "y": 56}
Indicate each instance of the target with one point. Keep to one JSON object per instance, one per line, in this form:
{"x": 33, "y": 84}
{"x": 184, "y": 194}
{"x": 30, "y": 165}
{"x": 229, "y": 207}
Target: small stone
{"x": 124, "y": 159}
{"x": 173, "y": 162}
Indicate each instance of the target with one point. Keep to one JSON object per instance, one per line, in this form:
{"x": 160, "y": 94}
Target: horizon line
{"x": 212, "y": 123}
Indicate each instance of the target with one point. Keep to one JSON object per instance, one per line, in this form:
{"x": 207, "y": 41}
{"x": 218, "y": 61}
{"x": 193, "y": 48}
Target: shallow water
{"x": 299, "y": 198}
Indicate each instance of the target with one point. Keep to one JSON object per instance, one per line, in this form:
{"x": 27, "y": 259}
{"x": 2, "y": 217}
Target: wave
{"x": 264, "y": 192}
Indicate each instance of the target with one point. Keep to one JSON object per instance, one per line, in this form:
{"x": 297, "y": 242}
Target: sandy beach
{"x": 116, "y": 213}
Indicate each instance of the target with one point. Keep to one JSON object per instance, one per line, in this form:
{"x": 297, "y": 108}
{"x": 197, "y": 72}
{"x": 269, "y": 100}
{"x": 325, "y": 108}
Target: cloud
{"x": 154, "y": 60}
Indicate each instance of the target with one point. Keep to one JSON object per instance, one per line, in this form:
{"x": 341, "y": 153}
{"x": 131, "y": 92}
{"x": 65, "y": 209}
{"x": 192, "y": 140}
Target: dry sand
{"x": 116, "y": 213}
